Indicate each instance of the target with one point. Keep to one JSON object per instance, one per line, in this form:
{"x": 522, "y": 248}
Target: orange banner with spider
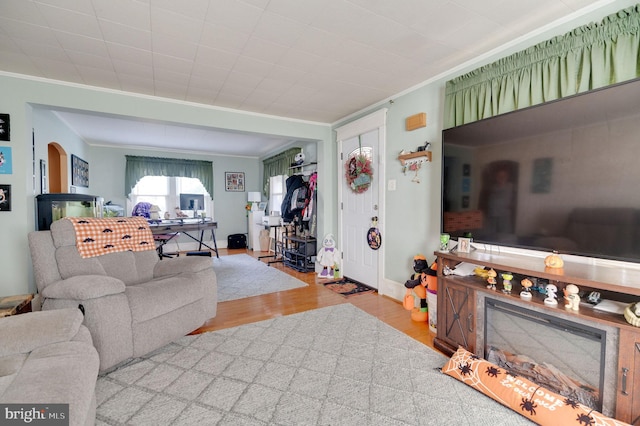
{"x": 522, "y": 395}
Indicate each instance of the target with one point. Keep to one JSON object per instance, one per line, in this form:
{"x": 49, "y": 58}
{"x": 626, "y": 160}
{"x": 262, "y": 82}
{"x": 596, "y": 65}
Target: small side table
{"x": 14, "y": 305}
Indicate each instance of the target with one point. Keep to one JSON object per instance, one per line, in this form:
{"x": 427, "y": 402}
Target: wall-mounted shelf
{"x": 406, "y": 157}
{"x": 302, "y": 166}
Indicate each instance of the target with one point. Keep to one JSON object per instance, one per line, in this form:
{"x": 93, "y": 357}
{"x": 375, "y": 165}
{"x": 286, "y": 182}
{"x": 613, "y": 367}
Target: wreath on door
{"x": 359, "y": 173}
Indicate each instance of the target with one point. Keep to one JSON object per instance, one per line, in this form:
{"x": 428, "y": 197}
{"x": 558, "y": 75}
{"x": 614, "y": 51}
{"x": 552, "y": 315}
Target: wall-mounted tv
{"x": 562, "y": 175}
{"x": 191, "y": 202}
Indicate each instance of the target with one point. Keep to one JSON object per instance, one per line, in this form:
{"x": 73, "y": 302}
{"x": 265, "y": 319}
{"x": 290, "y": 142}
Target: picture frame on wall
{"x": 5, "y": 127}
{"x": 234, "y": 181}
{"x": 6, "y": 161}
{"x": 79, "y": 172}
{"x": 5, "y": 198}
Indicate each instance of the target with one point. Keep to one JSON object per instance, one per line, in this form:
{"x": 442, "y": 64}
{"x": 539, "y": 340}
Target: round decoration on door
{"x": 374, "y": 238}
{"x": 359, "y": 173}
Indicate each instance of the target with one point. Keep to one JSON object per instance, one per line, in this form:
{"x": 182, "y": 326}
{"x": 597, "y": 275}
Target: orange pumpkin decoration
{"x": 554, "y": 260}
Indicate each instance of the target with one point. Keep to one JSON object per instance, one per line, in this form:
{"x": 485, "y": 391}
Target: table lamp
{"x": 254, "y": 198}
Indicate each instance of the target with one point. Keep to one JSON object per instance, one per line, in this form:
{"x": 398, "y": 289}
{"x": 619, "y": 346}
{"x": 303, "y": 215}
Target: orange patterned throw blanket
{"x": 98, "y": 236}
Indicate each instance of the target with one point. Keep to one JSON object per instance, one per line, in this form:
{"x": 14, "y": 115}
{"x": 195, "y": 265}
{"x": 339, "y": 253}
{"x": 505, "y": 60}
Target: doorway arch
{"x": 58, "y": 172}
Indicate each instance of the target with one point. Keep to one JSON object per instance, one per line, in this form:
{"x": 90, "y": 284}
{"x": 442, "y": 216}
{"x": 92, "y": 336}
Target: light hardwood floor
{"x": 315, "y": 295}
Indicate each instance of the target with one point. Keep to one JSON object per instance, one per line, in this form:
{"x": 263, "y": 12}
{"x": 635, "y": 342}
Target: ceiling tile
{"x": 300, "y": 60}
{"x": 265, "y": 50}
{"x": 70, "y": 21}
{"x": 168, "y": 45}
{"x": 98, "y": 62}
{"x": 22, "y": 11}
{"x": 216, "y": 57}
{"x": 28, "y": 32}
{"x": 302, "y": 11}
{"x": 171, "y": 64}
{"x": 80, "y": 43}
{"x": 195, "y": 9}
{"x": 99, "y": 77}
{"x": 58, "y": 70}
{"x": 40, "y": 51}
{"x": 234, "y": 14}
{"x": 19, "y": 63}
{"x": 251, "y": 66}
{"x": 175, "y": 25}
{"x": 209, "y": 72}
{"x": 80, "y": 6}
{"x": 130, "y": 54}
{"x": 127, "y": 68}
{"x": 126, "y": 36}
{"x": 278, "y": 29}
{"x": 221, "y": 37}
{"x": 134, "y": 14}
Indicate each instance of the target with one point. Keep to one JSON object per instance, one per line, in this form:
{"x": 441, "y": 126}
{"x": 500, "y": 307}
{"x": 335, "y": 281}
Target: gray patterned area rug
{"x": 241, "y": 275}
{"x": 330, "y": 366}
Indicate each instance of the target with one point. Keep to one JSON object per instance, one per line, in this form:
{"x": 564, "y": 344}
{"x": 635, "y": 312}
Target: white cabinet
{"x": 255, "y": 226}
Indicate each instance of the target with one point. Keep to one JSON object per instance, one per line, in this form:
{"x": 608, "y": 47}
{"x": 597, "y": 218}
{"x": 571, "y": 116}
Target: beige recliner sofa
{"x": 47, "y": 358}
{"x": 133, "y": 302}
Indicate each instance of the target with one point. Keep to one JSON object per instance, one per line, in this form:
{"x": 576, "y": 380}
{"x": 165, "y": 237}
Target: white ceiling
{"x": 316, "y": 60}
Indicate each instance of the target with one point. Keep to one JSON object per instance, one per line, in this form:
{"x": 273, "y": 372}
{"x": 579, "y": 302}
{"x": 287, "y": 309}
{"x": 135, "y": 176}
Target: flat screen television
{"x": 191, "y": 202}
{"x": 562, "y": 175}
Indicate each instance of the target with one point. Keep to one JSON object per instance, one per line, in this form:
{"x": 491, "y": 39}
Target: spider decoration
{"x": 571, "y": 403}
{"x": 492, "y": 371}
{"x": 465, "y": 369}
{"x": 475, "y": 357}
{"x": 585, "y": 419}
{"x": 528, "y": 405}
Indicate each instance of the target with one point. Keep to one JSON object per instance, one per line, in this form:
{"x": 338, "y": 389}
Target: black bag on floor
{"x": 237, "y": 241}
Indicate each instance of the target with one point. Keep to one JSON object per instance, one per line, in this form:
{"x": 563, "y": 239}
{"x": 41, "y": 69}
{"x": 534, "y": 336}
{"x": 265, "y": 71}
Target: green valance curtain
{"x": 589, "y": 57}
{"x": 277, "y": 165}
{"x": 139, "y": 167}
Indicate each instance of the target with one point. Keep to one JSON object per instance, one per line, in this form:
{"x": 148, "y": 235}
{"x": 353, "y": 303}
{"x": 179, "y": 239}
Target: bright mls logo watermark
{"x": 34, "y": 414}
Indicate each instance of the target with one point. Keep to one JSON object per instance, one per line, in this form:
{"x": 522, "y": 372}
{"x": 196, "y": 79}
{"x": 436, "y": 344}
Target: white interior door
{"x": 360, "y": 262}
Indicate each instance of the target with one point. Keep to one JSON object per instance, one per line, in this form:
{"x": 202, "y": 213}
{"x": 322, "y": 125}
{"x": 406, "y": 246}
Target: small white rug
{"x": 241, "y": 276}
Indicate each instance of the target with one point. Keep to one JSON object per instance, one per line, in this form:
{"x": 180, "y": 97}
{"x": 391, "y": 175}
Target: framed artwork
{"x": 5, "y": 128}
{"x": 6, "y": 162}
{"x": 79, "y": 172}
{"x": 5, "y": 198}
{"x": 234, "y": 181}
{"x": 464, "y": 245}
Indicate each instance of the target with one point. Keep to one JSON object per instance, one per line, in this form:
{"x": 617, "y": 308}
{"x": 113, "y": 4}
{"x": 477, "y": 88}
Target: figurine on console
{"x": 506, "y": 282}
{"x": 571, "y": 296}
{"x": 526, "y": 284}
{"x": 552, "y": 297}
{"x": 491, "y": 279}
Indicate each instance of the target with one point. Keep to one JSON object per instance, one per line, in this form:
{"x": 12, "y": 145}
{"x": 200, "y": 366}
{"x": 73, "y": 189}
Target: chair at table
{"x": 162, "y": 239}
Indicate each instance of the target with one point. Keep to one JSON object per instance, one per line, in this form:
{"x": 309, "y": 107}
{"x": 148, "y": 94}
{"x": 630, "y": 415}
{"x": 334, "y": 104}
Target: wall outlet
{"x": 391, "y": 185}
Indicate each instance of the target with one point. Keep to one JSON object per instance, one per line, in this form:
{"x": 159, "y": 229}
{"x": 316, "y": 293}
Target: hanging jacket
{"x": 293, "y": 185}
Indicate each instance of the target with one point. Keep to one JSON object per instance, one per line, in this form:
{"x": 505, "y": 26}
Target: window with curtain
{"x": 138, "y": 167}
{"x": 164, "y": 192}
{"x": 587, "y": 58}
{"x": 278, "y": 165}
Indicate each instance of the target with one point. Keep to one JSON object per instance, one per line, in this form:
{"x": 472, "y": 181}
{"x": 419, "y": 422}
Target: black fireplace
{"x": 561, "y": 355}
